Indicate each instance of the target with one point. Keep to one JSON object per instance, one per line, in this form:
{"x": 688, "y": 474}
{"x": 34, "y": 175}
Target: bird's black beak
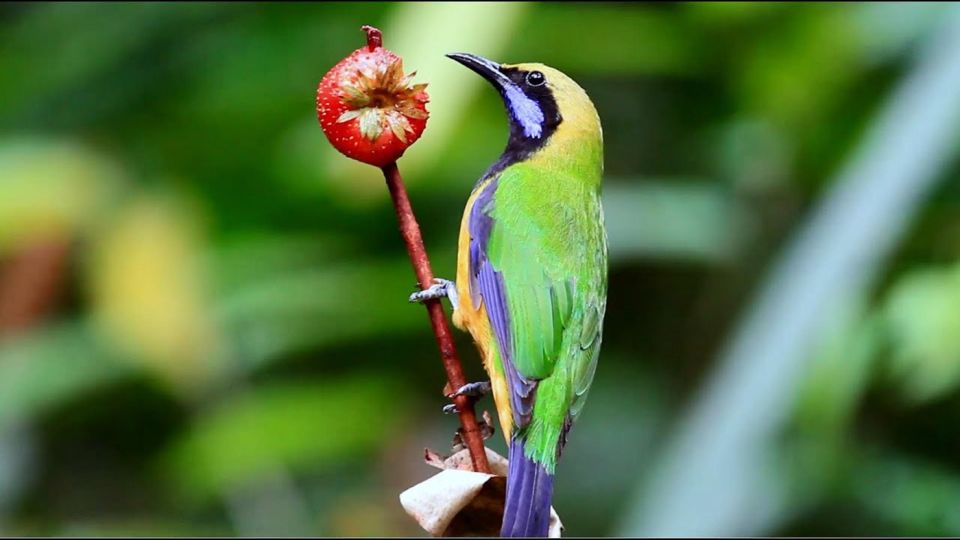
{"x": 488, "y": 69}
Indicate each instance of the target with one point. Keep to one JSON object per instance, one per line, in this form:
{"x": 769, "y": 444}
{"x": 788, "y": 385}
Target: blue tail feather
{"x": 529, "y": 492}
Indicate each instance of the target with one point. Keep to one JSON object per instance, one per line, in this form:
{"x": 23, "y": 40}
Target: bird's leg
{"x": 472, "y": 390}
{"x": 439, "y": 289}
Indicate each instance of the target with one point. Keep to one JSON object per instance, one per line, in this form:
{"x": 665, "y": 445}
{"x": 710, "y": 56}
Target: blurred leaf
{"x": 148, "y": 292}
{"x": 296, "y": 310}
{"x": 51, "y": 188}
{"x": 816, "y": 447}
{"x": 837, "y": 377}
{"x": 890, "y": 29}
{"x": 905, "y": 495}
{"x": 754, "y": 155}
{"x": 138, "y": 526}
{"x": 49, "y": 366}
{"x": 301, "y": 425}
{"x": 797, "y": 73}
{"x": 732, "y": 13}
{"x": 923, "y": 321}
{"x": 259, "y": 256}
{"x": 682, "y": 220}
{"x": 627, "y": 39}
{"x": 89, "y": 58}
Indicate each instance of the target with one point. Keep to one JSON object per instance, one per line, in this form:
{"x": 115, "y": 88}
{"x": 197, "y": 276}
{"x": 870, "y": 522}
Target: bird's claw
{"x": 440, "y": 288}
{"x": 474, "y": 390}
{"x": 437, "y": 290}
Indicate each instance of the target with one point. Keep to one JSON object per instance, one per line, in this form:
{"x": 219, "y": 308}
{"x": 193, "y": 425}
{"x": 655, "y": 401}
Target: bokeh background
{"x": 203, "y": 318}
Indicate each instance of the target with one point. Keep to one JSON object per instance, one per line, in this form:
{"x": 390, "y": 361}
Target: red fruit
{"x": 368, "y": 108}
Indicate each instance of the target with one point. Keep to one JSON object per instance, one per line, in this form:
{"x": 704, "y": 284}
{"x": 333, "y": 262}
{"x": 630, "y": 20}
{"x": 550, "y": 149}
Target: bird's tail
{"x": 529, "y": 492}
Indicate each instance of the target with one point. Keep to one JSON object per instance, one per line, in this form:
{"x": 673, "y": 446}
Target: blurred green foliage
{"x": 230, "y": 350}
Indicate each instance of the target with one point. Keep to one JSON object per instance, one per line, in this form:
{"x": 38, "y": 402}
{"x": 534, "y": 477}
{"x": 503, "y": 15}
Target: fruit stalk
{"x": 374, "y": 37}
{"x": 410, "y": 230}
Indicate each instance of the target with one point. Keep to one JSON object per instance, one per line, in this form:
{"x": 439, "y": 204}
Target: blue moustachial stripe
{"x": 525, "y": 111}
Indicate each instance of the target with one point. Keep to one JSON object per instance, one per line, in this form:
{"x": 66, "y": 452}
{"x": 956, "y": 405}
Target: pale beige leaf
{"x": 460, "y": 502}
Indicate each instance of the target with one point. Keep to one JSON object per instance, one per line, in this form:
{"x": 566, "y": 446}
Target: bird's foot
{"x": 440, "y": 288}
{"x": 474, "y": 390}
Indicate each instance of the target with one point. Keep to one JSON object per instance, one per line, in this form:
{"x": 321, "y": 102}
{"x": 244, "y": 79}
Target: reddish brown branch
{"x": 448, "y": 353}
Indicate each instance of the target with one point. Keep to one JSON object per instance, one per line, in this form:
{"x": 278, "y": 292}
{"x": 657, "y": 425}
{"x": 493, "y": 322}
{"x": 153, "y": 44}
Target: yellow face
{"x": 543, "y": 104}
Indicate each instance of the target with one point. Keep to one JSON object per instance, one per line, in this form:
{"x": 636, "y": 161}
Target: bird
{"x": 531, "y": 277}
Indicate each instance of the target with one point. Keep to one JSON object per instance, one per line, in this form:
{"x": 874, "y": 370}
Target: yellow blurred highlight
{"x": 148, "y": 292}
{"x": 50, "y": 189}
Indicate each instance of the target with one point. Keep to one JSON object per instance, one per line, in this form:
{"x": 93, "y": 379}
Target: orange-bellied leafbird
{"x": 531, "y": 281}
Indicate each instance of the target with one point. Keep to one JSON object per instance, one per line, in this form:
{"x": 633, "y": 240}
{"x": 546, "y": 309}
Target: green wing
{"x": 546, "y": 281}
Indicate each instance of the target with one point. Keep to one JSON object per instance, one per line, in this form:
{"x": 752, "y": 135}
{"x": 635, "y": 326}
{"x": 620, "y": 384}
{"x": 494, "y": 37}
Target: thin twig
{"x": 448, "y": 352}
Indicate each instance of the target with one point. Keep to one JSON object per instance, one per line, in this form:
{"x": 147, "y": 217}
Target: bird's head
{"x": 540, "y": 100}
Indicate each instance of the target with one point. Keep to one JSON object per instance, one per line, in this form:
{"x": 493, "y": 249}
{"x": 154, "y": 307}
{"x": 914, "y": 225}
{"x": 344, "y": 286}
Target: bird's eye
{"x": 535, "y": 78}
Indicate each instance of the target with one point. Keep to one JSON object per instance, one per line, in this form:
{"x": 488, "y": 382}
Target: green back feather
{"x": 549, "y": 243}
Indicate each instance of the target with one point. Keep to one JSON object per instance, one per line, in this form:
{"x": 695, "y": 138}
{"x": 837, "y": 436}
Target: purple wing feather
{"x": 487, "y": 283}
